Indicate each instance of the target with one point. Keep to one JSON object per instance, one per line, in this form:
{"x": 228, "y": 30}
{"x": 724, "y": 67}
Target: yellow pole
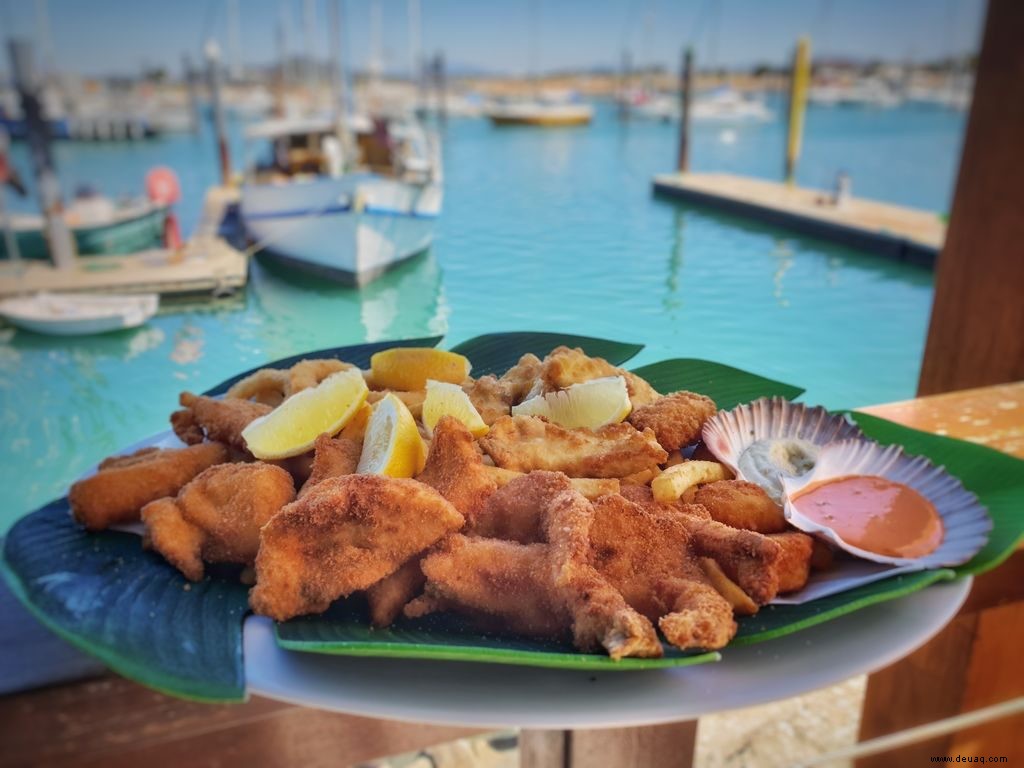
{"x": 799, "y": 83}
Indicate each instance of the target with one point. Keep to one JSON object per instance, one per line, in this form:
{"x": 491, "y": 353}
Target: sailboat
{"x": 347, "y": 197}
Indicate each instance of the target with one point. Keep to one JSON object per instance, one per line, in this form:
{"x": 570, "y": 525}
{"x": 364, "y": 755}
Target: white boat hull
{"x": 78, "y": 314}
{"x": 352, "y": 228}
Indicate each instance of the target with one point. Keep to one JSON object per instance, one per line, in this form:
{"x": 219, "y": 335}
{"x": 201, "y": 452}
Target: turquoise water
{"x": 542, "y": 230}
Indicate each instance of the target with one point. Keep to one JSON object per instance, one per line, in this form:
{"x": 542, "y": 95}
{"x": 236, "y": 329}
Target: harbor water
{"x": 542, "y": 230}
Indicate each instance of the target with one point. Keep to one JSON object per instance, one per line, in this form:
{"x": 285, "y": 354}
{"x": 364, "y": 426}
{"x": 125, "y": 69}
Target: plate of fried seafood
{"x": 520, "y": 499}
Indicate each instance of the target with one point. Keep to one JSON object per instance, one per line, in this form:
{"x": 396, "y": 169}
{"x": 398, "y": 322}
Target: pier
{"x": 905, "y": 234}
{"x": 205, "y": 264}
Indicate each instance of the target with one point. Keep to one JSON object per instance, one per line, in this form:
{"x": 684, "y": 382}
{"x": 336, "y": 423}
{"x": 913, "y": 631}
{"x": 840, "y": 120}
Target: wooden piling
{"x": 799, "y": 83}
{"x": 216, "y": 78}
{"x": 685, "y": 94}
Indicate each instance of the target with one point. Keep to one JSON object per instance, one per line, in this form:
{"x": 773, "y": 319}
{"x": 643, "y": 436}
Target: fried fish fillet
{"x": 455, "y": 467}
{"x": 601, "y": 617}
{"x": 677, "y": 419}
{"x": 749, "y": 559}
{"x": 648, "y": 558}
{"x": 564, "y": 367}
{"x": 346, "y": 534}
{"x": 332, "y": 457}
{"x": 489, "y": 397}
{"x": 526, "y": 443}
{"x": 515, "y": 512}
{"x": 740, "y": 504}
{"x": 794, "y": 564}
{"x": 503, "y": 585}
{"x": 123, "y": 485}
{"x": 391, "y": 594}
{"x": 218, "y": 420}
{"x": 217, "y": 517}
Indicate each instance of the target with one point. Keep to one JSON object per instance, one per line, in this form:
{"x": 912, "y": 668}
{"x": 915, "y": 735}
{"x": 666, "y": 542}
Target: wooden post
{"x": 799, "y": 82}
{"x": 627, "y": 66}
{"x": 660, "y": 745}
{"x": 976, "y": 336}
{"x": 216, "y": 76}
{"x": 685, "y": 95}
{"x": 193, "y": 97}
{"x": 58, "y": 236}
{"x": 442, "y": 87}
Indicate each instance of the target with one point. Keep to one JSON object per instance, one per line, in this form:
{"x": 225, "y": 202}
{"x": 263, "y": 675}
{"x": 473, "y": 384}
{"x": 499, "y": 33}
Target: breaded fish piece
{"x": 644, "y": 496}
{"x": 346, "y": 534}
{"x": 391, "y": 594}
{"x": 123, "y": 485}
{"x": 332, "y": 457}
{"x": 489, "y": 398}
{"x": 794, "y": 564}
{"x": 516, "y": 512}
{"x": 564, "y": 367}
{"x": 519, "y": 380}
{"x": 217, "y": 517}
{"x": 455, "y": 467}
{"x": 218, "y": 420}
{"x": 503, "y": 585}
{"x": 526, "y": 443}
{"x": 648, "y": 558}
{"x": 601, "y": 616}
{"x": 740, "y": 504}
{"x": 749, "y": 559}
{"x": 677, "y": 419}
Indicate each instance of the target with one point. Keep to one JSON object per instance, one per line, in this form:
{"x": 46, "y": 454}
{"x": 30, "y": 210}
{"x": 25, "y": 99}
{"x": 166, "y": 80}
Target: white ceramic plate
{"x": 498, "y": 696}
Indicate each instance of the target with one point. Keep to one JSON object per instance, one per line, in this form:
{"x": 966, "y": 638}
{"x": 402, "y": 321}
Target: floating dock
{"x": 905, "y": 234}
{"x": 206, "y": 264}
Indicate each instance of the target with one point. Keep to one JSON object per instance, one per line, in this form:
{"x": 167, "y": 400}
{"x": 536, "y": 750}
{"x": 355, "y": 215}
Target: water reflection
{"x": 783, "y": 253}
{"x": 673, "y": 299}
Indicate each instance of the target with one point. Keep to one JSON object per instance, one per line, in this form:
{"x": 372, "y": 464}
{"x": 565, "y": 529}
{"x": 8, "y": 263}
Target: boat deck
{"x": 906, "y": 234}
{"x": 207, "y": 264}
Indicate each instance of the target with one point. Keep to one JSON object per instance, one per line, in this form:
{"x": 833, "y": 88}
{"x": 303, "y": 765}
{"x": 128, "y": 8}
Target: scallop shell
{"x": 967, "y": 523}
{"x": 729, "y": 433}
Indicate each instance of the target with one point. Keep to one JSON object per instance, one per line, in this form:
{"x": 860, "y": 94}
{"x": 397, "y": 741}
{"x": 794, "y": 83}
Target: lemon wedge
{"x": 392, "y": 445}
{"x": 292, "y": 427}
{"x": 590, "y": 404}
{"x": 446, "y": 399}
{"x": 408, "y": 368}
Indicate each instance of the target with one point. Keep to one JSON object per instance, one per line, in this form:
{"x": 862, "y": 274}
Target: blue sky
{"x": 120, "y": 36}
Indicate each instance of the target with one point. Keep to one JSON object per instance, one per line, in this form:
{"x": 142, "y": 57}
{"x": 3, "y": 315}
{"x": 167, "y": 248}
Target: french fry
{"x": 673, "y": 482}
{"x": 591, "y": 487}
{"x": 643, "y": 477}
{"x": 727, "y": 588}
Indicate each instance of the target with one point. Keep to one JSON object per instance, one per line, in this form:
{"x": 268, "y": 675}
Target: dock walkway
{"x": 206, "y": 264}
{"x": 906, "y": 234}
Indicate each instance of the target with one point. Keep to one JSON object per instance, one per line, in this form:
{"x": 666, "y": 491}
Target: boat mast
{"x": 375, "y": 54}
{"x": 58, "y": 236}
{"x": 234, "y": 45}
{"x": 415, "y": 35}
{"x": 338, "y": 81}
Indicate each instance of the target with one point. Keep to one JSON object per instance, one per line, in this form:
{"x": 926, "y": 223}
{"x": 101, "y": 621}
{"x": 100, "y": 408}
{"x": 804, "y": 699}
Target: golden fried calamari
{"x": 740, "y": 504}
{"x": 123, "y": 485}
{"x": 346, "y": 534}
{"x": 526, "y": 443}
{"x": 267, "y": 385}
{"x": 217, "y": 517}
{"x": 219, "y": 420}
{"x": 677, "y": 419}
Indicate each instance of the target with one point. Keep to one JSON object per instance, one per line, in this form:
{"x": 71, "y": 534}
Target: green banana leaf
{"x": 726, "y": 385}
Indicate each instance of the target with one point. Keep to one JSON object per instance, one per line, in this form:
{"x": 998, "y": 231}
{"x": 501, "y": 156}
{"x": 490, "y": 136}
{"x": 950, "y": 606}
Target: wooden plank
{"x": 992, "y": 677}
{"x": 921, "y": 688}
{"x": 898, "y": 232}
{"x": 112, "y": 723}
{"x": 976, "y": 335}
{"x": 543, "y": 749}
{"x": 666, "y": 746}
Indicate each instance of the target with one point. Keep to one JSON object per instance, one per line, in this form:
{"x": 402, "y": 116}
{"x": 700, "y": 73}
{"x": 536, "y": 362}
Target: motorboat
{"x": 725, "y": 105}
{"x": 74, "y": 314}
{"x": 348, "y": 200}
{"x": 549, "y": 110}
